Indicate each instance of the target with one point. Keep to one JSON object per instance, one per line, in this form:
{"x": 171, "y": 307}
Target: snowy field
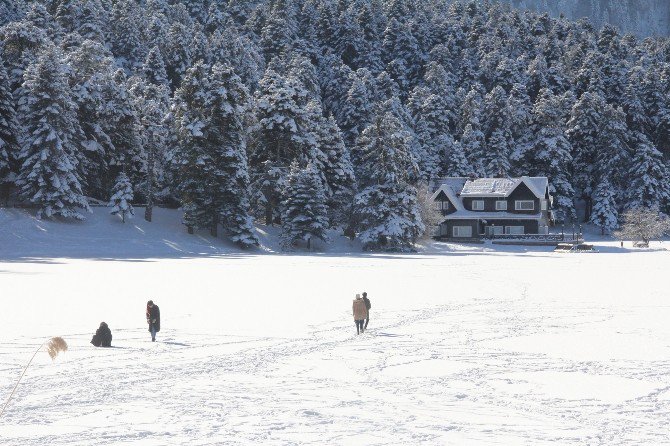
{"x": 475, "y": 345}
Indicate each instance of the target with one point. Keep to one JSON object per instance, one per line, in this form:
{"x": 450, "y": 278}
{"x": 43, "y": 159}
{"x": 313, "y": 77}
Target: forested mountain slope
{"x": 640, "y": 17}
{"x": 240, "y": 110}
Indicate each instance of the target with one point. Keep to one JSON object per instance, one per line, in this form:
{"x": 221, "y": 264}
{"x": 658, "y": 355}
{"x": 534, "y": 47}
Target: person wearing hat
{"x": 153, "y": 319}
{"x": 359, "y": 312}
{"x": 102, "y": 336}
{"x": 368, "y": 305}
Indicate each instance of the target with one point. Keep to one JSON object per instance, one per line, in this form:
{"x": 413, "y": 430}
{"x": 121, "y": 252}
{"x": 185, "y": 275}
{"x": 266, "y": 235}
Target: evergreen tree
{"x": 498, "y": 153}
{"x": 551, "y": 152}
{"x": 121, "y": 122}
{"x": 474, "y": 146}
{"x": 10, "y": 10}
{"x": 336, "y": 80}
{"x": 122, "y": 196}
{"x": 154, "y": 68}
{"x": 216, "y": 18}
{"x": 386, "y": 209}
{"x": 597, "y": 132}
{"x": 497, "y": 127}
{"x": 93, "y": 20}
{"x": 648, "y": 180}
{"x": 67, "y": 15}
{"x": 21, "y": 42}
{"x": 279, "y": 33}
{"x": 400, "y": 49}
{"x": 90, "y": 66}
{"x": 304, "y": 212}
{"x": 350, "y": 43}
{"x": 211, "y": 157}
{"x": 518, "y": 109}
{"x": 457, "y": 162}
{"x": 152, "y": 104}
{"x": 338, "y": 170}
{"x": 604, "y": 214}
{"x": 9, "y": 130}
{"x": 228, "y": 105}
{"x": 357, "y": 107}
{"x": 283, "y": 134}
{"x": 196, "y": 168}
{"x": 128, "y": 23}
{"x": 48, "y": 175}
{"x": 231, "y": 47}
{"x": 177, "y": 54}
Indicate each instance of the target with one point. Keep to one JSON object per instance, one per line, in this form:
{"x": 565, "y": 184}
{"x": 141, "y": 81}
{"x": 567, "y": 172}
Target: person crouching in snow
{"x": 102, "y": 336}
{"x": 360, "y": 312}
{"x": 153, "y": 319}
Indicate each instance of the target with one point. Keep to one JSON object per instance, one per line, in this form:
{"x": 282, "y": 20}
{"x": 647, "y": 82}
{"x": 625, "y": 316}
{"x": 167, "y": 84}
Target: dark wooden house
{"x": 477, "y": 208}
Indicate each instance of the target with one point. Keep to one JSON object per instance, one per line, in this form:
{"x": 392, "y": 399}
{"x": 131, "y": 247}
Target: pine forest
{"x": 320, "y": 114}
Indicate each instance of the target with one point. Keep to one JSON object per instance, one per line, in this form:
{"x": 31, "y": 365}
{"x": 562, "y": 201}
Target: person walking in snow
{"x": 359, "y": 312}
{"x": 153, "y": 319}
{"x": 102, "y": 336}
{"x": 368, "y": 305}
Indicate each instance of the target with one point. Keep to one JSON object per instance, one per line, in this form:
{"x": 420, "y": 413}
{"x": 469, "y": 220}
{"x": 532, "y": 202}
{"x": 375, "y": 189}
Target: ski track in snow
{"x": 468, "y": 347}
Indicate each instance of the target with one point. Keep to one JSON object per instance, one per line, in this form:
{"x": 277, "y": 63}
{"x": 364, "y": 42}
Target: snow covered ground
{"x": 467, "y": 344}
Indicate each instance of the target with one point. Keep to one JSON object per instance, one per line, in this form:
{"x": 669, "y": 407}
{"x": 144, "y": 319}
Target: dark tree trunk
{"x": 213, "y": 229}
{"x": 588, "y": 208}
{"x": 189, "y": 229}
{"x": 148, "y": 211}
{"x": 309, "y": 243}
{"x": 268, "y": 213}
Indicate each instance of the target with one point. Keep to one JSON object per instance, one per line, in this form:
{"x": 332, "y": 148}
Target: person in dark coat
{"x": 102, "y": 336}
{"x": 153, "y": 319}
{"x": 368, "y": 305}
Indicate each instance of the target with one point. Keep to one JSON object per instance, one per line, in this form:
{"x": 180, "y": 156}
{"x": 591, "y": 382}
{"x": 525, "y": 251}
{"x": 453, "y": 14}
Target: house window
{"x": 441, "y": 205}
{"x": 524, "y": 205}
{"x": 514, "y": 230}
{"x": 462, "y": 231}
{"x": 501, "y": 205}
{"x": 477, "y": 205}
{"x": 543, "y": 205}
{"x": 494, "y": 230}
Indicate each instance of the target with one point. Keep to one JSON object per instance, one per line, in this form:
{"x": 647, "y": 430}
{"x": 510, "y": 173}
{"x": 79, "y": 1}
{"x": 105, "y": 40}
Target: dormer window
{"x": 477, "y": 205}
{"x": 442, "y": 205}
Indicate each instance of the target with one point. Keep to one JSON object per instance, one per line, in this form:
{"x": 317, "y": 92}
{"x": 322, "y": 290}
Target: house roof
{"x": 463, "y": 214}
{"x": 503, "y": 187}
{"x": 451, "y": 187}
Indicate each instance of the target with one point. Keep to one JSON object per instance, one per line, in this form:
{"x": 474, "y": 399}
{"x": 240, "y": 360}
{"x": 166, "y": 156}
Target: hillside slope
{"x": 640, "y": 17}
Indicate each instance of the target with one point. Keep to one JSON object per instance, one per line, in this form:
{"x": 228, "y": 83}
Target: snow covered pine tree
{"x": 122, "y": 196}
{"x": 304, "y": 211}
{"x": 386, "y": 209}
{"x": 48, "y": 175}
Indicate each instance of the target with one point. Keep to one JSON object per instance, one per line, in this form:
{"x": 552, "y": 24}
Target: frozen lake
{"x": 466, "y": 345}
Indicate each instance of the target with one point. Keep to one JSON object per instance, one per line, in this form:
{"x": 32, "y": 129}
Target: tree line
{"x": 319, "y": 114}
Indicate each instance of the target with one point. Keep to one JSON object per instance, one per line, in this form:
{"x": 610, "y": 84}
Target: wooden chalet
{"x": 486, "y": 207}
